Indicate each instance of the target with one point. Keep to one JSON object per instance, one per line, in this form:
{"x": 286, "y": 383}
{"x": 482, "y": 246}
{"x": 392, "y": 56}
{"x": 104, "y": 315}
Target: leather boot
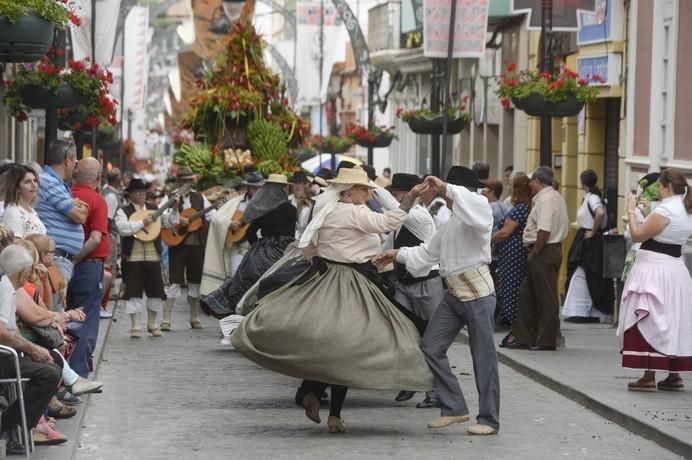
{"x": 135, "y": 332}
{"x": 167, "y": 311}
{"x": 194, "y": 313}
{"x": 151, "y": 324}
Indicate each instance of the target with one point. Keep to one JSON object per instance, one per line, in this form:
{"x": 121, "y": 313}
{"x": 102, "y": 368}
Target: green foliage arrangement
{"x": 242, "y": 88}
{"x": 203, "y": 162}
{"x": 269, "y": 145}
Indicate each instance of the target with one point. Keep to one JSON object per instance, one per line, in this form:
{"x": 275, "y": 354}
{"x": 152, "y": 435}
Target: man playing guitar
{"x": 141, "y": 261}
{"x": 185, "y": 261}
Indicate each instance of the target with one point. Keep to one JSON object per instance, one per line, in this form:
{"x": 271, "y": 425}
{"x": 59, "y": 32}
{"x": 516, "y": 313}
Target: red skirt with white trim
{"x": 638, "y": 354}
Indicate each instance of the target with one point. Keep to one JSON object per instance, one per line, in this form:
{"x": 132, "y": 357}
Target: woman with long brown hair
{"x": 20, "y": 196}
{"x": 510, "y": 251}
{"x": 655, "y": 318}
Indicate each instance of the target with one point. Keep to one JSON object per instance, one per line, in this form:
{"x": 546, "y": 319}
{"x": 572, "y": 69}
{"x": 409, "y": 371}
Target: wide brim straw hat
{"x": 353, "y": 176}
{"x": 277, "y": 179}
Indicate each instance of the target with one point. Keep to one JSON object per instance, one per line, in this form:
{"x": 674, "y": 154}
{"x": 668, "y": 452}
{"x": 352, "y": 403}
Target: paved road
{"x": 184, "y": 396}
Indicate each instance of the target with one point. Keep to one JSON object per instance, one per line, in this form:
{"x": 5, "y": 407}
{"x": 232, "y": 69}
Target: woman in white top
{"x": 20, "y": 197}
{"x": 589, "y": 296}
{"x": 655, "y": 315}
{"x": 334, "y": 323}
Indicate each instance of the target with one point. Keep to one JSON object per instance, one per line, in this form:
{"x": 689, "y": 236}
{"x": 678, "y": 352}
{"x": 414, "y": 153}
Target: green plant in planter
{"x": 453, "y": 112}
{"x": 553, "y": 87}
{"x": 86, "y": 79}
{"x": 330, "y": 143}
{"x": 58, "y": 13}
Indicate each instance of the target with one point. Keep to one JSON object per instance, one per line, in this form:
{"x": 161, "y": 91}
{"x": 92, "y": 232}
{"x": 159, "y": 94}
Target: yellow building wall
{"x": 578, "y": 151}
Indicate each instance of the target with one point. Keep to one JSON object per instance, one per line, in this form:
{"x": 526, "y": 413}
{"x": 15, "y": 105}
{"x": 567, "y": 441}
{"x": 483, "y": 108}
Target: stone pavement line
{"x": 593, "y": 348}
{"x": 72, "y": 427}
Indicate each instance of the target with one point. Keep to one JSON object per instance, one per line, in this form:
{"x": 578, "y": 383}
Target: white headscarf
{"x": 324, "y": 205}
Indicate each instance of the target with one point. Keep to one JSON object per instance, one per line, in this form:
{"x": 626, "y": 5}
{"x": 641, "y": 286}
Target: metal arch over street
{"x": 286, "y": 70}
{"x": 287, "y": 14}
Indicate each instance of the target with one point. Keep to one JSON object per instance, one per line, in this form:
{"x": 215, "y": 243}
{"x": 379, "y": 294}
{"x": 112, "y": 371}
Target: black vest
{"x": 406, "y": 239}
{"x": 197, "y": 203}
{"x": 128, "y": 242}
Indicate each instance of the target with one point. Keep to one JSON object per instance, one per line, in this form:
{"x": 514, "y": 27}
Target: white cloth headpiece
{"x": 324, "y": 205}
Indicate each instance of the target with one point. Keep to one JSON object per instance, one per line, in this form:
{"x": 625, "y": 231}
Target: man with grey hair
{"x": 538, "y": 319}
{"x": 60, "y": 213}
{"x": 86, "y": 287}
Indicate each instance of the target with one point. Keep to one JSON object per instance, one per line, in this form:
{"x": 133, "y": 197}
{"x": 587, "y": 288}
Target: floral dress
{"x": 512, "y": 260}
{"x": 22, "y": 222}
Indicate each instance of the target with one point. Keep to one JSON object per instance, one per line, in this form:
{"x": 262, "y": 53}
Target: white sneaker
{"x": 105, "y": 314}
{"x": 83, "y": 386}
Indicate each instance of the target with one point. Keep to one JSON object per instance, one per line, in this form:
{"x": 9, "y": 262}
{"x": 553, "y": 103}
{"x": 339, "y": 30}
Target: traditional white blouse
{"x": 22, "y": 222}
{"x": 351, "y": 233}
{"x": 680, "y": 227}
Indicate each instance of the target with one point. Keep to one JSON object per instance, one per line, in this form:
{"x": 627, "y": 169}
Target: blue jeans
{"x": 86, "y": 290}
{"x": 66, "y": 269}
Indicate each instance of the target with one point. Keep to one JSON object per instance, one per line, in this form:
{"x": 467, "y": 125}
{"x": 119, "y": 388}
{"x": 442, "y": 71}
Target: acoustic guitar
{"x": 239, "y": 235}
{"x": 176, "y": 235}
{"x": 152, "y": 231}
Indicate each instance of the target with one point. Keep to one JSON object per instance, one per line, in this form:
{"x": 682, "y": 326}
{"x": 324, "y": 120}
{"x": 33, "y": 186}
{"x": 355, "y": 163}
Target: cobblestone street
{"x": 184, "y": 396}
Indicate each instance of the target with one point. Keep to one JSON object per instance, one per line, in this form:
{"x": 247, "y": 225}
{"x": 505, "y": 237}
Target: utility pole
{"x": 93, "y": 61}
{"x": 447, "y": 78}
{"x": 547, "y": 66}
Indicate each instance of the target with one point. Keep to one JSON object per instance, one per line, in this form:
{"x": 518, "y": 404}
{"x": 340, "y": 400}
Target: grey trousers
{"x": 420, "y": 298}
{"x": 451, "y": 315}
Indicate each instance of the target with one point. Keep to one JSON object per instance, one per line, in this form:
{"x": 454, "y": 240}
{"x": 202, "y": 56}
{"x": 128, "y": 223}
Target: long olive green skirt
{"x": 338, "y": 328}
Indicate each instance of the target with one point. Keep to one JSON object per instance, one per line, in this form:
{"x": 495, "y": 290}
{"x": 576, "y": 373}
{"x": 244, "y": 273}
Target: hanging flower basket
{"x": 72, "y": 120}
{"x": 536, "y": 105}
{"x": 435, "y": 126}
{"x": 39, "y": 97}
{"x": 383, "y": 140}
{"x": 236, "y": 133}
{"x": 27, "y": 40}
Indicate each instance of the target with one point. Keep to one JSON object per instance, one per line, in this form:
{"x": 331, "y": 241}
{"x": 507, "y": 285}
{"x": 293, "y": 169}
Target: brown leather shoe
{"x": 642, "y": 385}
{"x": 335, "y": 425}
{"x": 312, "y": 407}
{"x": 447, "y": 420}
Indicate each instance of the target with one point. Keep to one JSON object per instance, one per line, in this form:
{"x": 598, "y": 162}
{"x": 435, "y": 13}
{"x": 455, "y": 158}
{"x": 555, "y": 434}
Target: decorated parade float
{"x": 241, "y": 117}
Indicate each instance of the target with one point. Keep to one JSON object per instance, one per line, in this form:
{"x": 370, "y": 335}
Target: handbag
{"x": 47, "y": 336}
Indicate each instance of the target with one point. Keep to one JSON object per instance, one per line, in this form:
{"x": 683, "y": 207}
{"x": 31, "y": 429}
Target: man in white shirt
{"x": 186, "y": 260}
{"x": 462, "y": 249}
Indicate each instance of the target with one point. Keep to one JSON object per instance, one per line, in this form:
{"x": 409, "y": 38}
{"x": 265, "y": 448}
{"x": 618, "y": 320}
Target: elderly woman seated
{"x": 33, "y": 315}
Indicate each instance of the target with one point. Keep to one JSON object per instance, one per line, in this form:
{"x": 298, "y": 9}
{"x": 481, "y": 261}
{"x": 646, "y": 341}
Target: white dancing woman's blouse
{"x": 351, "y": 233}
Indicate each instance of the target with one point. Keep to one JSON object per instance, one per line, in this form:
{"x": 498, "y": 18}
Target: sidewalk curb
{"x": 85, "y": 406}
{"x": 673, "y": 439}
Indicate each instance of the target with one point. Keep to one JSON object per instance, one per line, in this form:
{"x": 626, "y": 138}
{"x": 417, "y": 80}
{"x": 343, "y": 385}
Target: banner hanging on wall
{"x": 470, "y": 28}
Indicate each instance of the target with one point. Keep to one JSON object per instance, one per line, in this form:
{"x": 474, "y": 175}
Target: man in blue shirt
{"x": 62, "y": 215}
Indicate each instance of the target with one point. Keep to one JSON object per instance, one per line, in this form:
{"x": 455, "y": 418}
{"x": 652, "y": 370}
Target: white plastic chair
{"x": 17, "y": 392}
